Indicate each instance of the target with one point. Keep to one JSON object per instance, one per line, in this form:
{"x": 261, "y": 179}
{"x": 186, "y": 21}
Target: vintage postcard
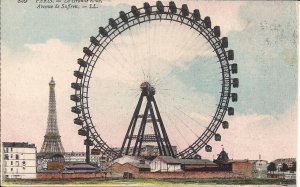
{"x": 149, "y": 93}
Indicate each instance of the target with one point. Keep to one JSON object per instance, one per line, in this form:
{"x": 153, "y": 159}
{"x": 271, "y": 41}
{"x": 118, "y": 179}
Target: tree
{"x": 284, "y": 167}
{"x": 293, "y": 168}
{"x": 272, "y": 167}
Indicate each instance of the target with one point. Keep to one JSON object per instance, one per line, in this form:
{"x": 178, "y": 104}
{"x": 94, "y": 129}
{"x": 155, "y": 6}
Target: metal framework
{"x": 135, "y": 17}
{"x": 151, "y": 115}
{"x": 52, "y": 142}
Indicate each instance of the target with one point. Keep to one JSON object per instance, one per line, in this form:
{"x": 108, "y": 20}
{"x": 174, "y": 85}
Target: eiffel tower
{"x": 52, "y": 142}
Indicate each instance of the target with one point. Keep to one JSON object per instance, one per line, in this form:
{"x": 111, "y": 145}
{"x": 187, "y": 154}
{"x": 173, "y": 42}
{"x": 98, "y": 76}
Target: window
{"x": 17, "y": 157}
{"x": 11, "y": 149}
{"x": 11, "y": 169}
{"x": 11, "y": 155}
{"x": 11, "y": 162}
{"x": 24, "y": 163}
{"x": 6, "y": 157}
{"x": 5, "y": 149}
{"x": 17, "y": 163}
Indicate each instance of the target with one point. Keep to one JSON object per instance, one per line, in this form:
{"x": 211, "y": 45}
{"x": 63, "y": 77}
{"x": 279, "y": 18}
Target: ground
{"x": 150, "y": 182}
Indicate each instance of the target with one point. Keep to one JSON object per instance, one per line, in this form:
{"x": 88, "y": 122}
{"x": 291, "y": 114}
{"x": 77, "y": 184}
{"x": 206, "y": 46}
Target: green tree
{"x": 284, "y": 167}
{"x": 293, "y": 168}
{"x": 271, "y": 167}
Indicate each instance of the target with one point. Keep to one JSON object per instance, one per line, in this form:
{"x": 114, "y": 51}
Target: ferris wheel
{"x": 140, "y": 49}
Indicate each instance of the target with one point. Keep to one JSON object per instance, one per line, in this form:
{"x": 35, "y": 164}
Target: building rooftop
{"x": 196, "y": 161}
{"x": 169, "y": 159}
{"x": 128, "y": 159}
{"x": 18, "y": 144}
{"x": 80, "y": 167}
{"x": 146, "y": 166}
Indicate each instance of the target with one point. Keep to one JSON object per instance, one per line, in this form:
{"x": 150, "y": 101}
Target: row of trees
{"x": 272, "y": 167}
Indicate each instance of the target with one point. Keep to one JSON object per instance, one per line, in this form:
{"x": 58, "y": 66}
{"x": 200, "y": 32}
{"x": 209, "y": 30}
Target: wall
{"x": 199, "y": 167}
{"x": 79, "y": 175}
{"x": 158, "y": 165}
{"x": 199, "y": 175}
{"x": 121, "y": 168}
{"x": 55, "y": 165}
{"x": 242, "y": 168}
{"x": 79, "y": 157}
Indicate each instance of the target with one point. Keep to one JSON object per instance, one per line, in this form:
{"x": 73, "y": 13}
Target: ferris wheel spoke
{"x": 134, "y": 55}
{"x": 173, "y": 122}
{"x": 178, "y": 130}
{"x": 187, "y": 101}
{"x": 181, "y": 41}
{"x": 189, "y": 117}
{"x": 186, "y": 45}
{"x": 124, "y": 68}
{"x": 114, "y": 70}
{"x": 172, "y": 75}
{"x": 194, "y": 43}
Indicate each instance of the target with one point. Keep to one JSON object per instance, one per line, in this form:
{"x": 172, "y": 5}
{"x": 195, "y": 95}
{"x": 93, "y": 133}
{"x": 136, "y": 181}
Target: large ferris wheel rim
{"x": 122, "y": 26}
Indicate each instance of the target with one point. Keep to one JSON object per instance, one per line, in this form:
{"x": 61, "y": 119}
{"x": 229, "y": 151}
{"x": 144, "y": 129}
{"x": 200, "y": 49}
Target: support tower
{"x": 52, "y": 142}
{"x": 151, "y": 116}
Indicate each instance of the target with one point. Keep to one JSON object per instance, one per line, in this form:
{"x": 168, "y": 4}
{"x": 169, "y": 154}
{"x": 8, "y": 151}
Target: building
{"x": 57, "y": 162}
{"x": 198, "y": 165}
{"x": 259, "y": 169}
{"x": 242, "y": 168}
{"x": 18, "y": 160}
{"x": 165, "y": 163}
{"x": 79, "y": 157}
{"x": 170, "y": 164}
{"x": 128, "y": 166}
{"x": 71, "y": 171}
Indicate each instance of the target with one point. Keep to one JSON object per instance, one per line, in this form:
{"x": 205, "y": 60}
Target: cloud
{"x": 251, "y": 135}
{"x": 25, "y": 79}
{"x": 266, "y": 48}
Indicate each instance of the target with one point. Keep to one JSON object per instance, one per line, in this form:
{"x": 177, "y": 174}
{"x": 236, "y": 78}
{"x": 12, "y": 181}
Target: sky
{"x": 40, "y": 43}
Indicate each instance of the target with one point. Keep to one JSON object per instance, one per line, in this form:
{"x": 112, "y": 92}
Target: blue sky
{"x": 262, "y": 34}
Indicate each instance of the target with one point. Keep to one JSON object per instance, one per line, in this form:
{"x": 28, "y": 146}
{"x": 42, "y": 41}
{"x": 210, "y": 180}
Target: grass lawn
{"x": 149, "y": 182}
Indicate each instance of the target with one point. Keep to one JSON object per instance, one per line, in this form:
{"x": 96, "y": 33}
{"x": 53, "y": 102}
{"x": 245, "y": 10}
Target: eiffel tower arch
{"x": 52, "y": 143}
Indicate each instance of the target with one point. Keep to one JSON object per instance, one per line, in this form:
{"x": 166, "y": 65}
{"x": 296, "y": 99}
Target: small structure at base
{"x": 50, "y": 161}
{"x": 165, "y": 163}
{"x": 198, "y": 165}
